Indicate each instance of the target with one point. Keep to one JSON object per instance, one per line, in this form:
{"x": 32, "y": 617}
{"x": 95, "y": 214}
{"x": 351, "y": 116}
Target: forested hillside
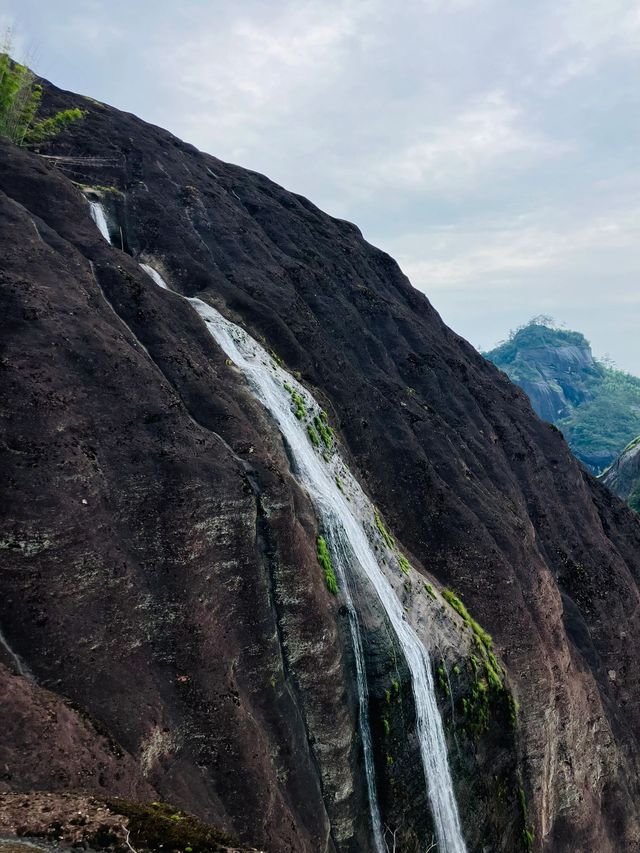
{"x": 596, "y": 406}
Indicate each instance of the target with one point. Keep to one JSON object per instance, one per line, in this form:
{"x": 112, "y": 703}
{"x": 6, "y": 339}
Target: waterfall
{"x": 19, "y": 665}
{"x": 340, "y": 561}
{"x": 157, "y": 278}
{"x": 97, "y": 214}
{"x": 349, "y": 522}
{"x": 351, "y": 526}
{"x": 348, "y": 518}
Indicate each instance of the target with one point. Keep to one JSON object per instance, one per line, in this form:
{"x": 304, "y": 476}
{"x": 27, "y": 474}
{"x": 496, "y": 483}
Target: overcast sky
{"x": 491, "y": 146}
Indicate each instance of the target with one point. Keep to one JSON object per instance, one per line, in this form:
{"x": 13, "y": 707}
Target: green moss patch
{"x": 298, "y": 402}
{"x": 313, "y": 436}
{"x": 98, "y": 188}
{"x": 404, "y": 564}
{"x": 488, "y": 688}
{"x": 324, "y": 558}
{"x": 323, "y": 429}
{"x": 483, "y": 637}
{"x": 443, "y": 681}
{"x": 389, "y": 541}
{"x": 428, "y": 588}
{"x": 527, "y": 832}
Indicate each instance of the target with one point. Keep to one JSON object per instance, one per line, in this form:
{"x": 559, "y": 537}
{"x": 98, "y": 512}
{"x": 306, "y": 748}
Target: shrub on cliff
{"x": 20, "y": 98}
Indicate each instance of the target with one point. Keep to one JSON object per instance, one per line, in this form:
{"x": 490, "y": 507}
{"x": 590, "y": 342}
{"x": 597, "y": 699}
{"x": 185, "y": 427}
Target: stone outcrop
{"x": 623, "y": 477}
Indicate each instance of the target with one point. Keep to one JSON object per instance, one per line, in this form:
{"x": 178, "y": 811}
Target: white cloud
{"x": 90, "y": 26}
{"x": 489, "y": 134}
{"x": 495, "y": 255}
{"x": 593, "y": 24}
{"x": 12, "y": 36}
{"x": 257, "y": 68}
{"x": 584, "y": 34}
{"x": 581, "y": 269}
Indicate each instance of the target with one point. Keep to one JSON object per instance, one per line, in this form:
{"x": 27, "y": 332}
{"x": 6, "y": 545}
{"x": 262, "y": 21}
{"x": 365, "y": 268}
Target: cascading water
{"x": 19, "y": 665}
{"x": 155, "y": 276}
{"x": 350, "y": 524}
{"x": 341, "y": 560}
{"x": 347, "y": 515}
{"x": 97, "y": 214}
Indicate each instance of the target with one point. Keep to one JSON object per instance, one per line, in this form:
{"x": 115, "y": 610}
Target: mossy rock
{"x": 163, "y": 828}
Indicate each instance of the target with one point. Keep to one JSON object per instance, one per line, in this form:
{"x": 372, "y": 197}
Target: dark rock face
{"x": 79, "y": 755}
{"x": 158, "y": 565}
{"x": 151, "y": 577}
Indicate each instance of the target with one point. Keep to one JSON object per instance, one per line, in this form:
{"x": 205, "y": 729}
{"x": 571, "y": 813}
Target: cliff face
{"x": 623, "y": 477}
{"x": 556, "y": 369}
{"x": 159, "y": 585}
{"x": 561, "y": 384}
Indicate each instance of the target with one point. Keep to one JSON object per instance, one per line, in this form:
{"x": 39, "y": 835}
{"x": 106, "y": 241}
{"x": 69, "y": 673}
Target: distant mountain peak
{"x": 595, "y": 405}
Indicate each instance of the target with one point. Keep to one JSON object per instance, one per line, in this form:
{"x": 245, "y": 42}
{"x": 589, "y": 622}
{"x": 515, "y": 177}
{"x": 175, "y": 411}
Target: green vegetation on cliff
{"x": 324, "y": 558}
{"x": 388, "y": 539}
{"x": 596, "y": 406}
{"x": 298, "y": 402}
{"x": 313, "y": 436}
{"x": 323, "y": 429}
{"x": 608, "y": 421}
{"x": 20, "y": 98}
{"x": 452, "y": 599}
{"x": 538, "y": 332}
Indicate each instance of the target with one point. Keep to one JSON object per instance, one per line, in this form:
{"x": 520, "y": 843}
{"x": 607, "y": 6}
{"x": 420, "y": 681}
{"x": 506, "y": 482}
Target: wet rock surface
{"x": 158, "y": 561}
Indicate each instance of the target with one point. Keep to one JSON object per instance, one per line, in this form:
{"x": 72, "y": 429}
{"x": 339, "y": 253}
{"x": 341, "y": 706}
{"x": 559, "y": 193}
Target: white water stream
{"x": 157, "y": 278}
{"x": 19, "y": 665}
{"x": 97, "y": 214}
{"x": 348, "y": 520}
{"x": 358, "y": 549}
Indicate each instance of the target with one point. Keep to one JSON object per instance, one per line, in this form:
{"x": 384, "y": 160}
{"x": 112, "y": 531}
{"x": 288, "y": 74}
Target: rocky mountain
{"x": 191, "y": 615}
{"x": 596, "y": 406}
{"x": 623, "y": 477}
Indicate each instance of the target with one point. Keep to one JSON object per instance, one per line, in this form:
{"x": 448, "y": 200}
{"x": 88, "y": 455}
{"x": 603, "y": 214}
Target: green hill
{"x": 596, "y": 406}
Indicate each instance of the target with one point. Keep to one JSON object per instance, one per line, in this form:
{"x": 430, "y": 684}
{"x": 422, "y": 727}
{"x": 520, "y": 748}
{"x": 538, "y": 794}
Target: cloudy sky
{"x": 491, "y": 146}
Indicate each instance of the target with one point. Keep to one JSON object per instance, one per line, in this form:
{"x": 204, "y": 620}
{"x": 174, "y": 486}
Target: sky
{"x": 491, "y": 146}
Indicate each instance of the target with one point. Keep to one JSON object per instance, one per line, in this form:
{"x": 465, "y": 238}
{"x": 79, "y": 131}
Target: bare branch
{"x": 126, "y": 840}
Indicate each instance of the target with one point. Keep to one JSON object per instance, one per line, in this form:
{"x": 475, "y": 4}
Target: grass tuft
{"x": 452, "y": 599}
{"x": 389, "y": 541}
{"x": 324, "y": 430}
{"x": 324, "y": 558}
{"x": 404, "y": 564}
